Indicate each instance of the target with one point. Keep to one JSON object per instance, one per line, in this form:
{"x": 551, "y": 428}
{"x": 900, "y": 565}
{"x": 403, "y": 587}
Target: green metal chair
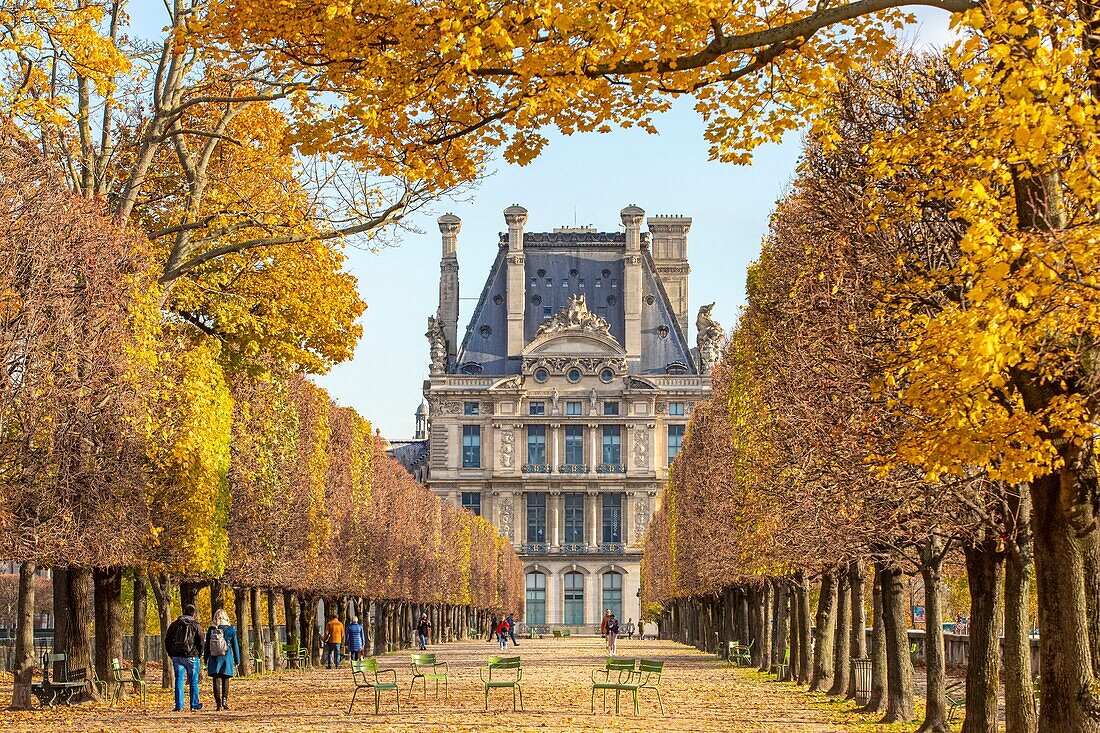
{"x": 617, "y": 675}
{"x": 366, "y": 675}
{"x": 509, "y": 673}
{"x": 425, "y": 667}
{"x": 649, "y": 674}
{"x": 122, "y": 676}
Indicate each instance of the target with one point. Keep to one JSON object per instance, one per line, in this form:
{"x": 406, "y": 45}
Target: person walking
{"x": 355, "y": 638}
{"x": 629, "y": 628}
{"x": 512, "y": 629}
{"x": 334, "y": 641}
{"x": 493, "y": 627}
{"x": 423, "y": 630}
{"x": 612, "y": 635}
{"x": 603, "y": 622}
{"x": 184, "y": 642}
{"x": 222, "y": 654}
{"x": 502, "y": 634}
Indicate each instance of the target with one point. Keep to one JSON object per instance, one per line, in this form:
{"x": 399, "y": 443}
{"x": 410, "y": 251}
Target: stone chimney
{"x": 632, "y": 279}
{"x": 449, "y": 226}
{"x": 516, "y": 218}
{"x": 668, "y": 243}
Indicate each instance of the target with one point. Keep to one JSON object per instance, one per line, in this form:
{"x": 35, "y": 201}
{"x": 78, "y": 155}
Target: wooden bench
{"x": 65, "y": 688}
{"x": 366, "y": 675}
{"x": 425, "y": 667}
{"x": 122, "y": 676}
{"x": 647, "y": 676}
{"x": 955, "y": 694}
{"x": 509, "y": 673}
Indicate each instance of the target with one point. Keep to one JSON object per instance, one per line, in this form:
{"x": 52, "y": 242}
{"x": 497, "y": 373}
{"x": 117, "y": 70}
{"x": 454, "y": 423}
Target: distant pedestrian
{"x": 629, "y": 628}
{"x": 184, "y": 642}
{"x": 423, "y": 631}
{"x": 493, "y": 628}
{"x": 222, "y": 654}
{"x": 603, "y": 622}
{"x": 612, "y": 635}
{"x": 334, "y": 642}
{"x": 512, "y": 629}
{"x": 355, "y": 639}
{"x": 502, "y": 634}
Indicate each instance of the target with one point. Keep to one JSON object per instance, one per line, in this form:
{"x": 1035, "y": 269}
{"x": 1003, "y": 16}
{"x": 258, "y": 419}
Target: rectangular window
{"x": 612, "y": 518}
{"x": 612, "y": 445}
{"x": 613, "y": 593}
{"x": 676, "y": 409}
{"x": 537, "y": 408}
{"x": 534, "y": 282}
{"x": 611, "y": 408}
{"x": 574, "y": 518}
{"x": 471, "y": 446}
{"x": 580, "y": 283}
{"x": 574, "y": 599}
{"x": 574, "y": 445}
{"x": 599, "y": 282}
{"x": 536, "y": 516}
{"x": 535, "y": 610}
{"x": 614, "y": 283}
{"x": 573, "y": 408}
{"x": 471, "y": 501}
{"x": 565, "y": 283}
{"x": 546, "y": 312}
{"x": 675, "y": 440}
{"x": 470, "y": 408}
{"x": 536, "y": 444}
{"x": 549, "y": 282}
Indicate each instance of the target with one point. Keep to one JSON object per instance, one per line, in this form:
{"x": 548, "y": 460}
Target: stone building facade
{"x": 557, "y": 414}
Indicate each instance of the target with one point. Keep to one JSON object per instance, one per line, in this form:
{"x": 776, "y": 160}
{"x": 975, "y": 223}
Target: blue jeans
{"x": 332, "y": 655}
{"x": 190, "y": 666}
{"x": 423, "y": 641}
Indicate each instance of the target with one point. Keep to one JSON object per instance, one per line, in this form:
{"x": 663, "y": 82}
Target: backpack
{"x": 182, "y": 643}
{"x": 216, "y": 642}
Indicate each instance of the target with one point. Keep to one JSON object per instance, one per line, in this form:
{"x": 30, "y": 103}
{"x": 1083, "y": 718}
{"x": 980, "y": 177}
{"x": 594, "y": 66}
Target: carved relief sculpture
{"x": 575, "y": 316}
{"x": 710, "y": 338}
{"x": 437, "y": 343}
{"x": 641, "y": 514}
{"x": 507, "y": 448}
{"x": 641, "y": 447}
{"x": 507, "y": 513}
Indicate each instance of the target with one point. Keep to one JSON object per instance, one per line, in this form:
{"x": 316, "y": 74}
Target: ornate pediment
{"x": 575, "y": 316}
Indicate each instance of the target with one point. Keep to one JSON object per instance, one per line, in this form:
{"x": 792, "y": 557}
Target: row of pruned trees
{"x": 134, "y": 450}
{"x": 911, "y": 378}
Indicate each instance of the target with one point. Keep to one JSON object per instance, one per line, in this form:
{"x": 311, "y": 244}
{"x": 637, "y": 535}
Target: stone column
{"x": 516, "y": 217}
{"x": 594, "y": 457}
{"x": 555, "y": 430}
{"x": 632, "y": 280}
{"x": 449, "y": 226}
{"x": 553, "y": 598}
{"x": 555, "y": 518}
{"x": 592, "y": 518}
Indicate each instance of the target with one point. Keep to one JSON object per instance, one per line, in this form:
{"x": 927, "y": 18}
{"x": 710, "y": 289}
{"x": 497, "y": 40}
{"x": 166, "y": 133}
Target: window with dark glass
{"x": 613, "y": 593}
{"x": 536, "y": 444}
{"x": 536, "y": 516}
{"x": 612, "y": 518}
{"x": 547, "y": 312}
{"x": 574, "y": 445}
{"x": 611, "y": 408}
{"x": 574, "y": 518}
{"x": 675, "y": 440}
{"x": 471, "y": 446}
{"x": 471, "y": 500}
{"x": 470, "y": 408}
{"x": 573, "y": 408}
{"x": 536, "y": 598}
{"x": 536, "y": 408}
{"x": 574, "y": 599}
{"x": 612, "y": 445}
{"x": 676, "y": 409}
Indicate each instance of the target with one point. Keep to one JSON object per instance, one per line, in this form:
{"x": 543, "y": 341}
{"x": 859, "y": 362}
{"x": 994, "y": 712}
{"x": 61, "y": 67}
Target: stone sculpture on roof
{"x": 437, "y": 342}
{"x": 575, "y": 316}
{"x": 710, "y": 338}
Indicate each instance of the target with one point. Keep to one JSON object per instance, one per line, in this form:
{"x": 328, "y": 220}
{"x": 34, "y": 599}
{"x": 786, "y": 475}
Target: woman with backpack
{"x": 222, "y": 655}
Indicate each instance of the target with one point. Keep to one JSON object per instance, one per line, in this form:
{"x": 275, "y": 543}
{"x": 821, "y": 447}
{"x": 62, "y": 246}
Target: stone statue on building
{"x": 437, "y": 342}
{"x": 709, "y": 337}
{"x": 575, "y": 316}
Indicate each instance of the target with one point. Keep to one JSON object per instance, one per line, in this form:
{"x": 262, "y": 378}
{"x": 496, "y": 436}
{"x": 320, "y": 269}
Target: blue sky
{"x": 583, "y": 178}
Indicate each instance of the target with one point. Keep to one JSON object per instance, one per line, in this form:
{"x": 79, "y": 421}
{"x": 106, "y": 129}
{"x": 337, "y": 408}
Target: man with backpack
{"x": 512, "y": 629}
{"x": 184, "y": 642}
{"x": 423, "y": 630}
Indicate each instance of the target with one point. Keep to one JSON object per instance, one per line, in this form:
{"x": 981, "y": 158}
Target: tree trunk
{"x": 879, "y": 681}
{"x": 984, "y": 577}
{"x": 76, "y": 604}
{"x": 782, "y": 623}
{"x": 803, "y": 629}
{"x": 841, "y": 645}
{"x": 1019, "y": 698}
{"x": 273, "y": 628}
{"x": 240, "y": 605}
{"x": 824, "y": 633}
{"x": 162, "y": 594}
{"x": 935, "y": 700}
{"x": 257, "y": 623}
{"x": 217, "y": 596}
{"x": 290, "y": 617}
{"x": 766, "y": 622}
{"x": 796, "y": 625}
{"x": 61, "y": 617}
{"x": 899, "y": 668}
{"x": 108, "y": 619}
{"x": 141, "y": 615}
{"x": 189, "y": 593}
{"x": 24, "y": 639}
{"x": 858, "y": 642}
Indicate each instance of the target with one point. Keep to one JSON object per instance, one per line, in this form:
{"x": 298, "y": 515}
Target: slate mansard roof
{"x": 559, "y": 265}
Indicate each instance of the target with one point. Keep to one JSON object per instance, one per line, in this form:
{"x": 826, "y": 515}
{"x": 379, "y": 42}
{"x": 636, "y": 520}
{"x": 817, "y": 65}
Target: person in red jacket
{"x": 502, "y": 633}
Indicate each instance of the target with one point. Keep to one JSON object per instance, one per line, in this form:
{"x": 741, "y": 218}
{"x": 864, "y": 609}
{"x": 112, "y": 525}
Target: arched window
{"x": 536, "y": 598}
{"x": 574, "y": 599}
{"x": 613, "y": 593}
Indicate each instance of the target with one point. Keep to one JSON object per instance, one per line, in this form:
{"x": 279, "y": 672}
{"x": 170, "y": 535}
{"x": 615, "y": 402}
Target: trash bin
{"x": 861, "y": 668}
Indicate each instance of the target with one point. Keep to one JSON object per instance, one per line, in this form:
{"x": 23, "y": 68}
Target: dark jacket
{"x": 225, "y": 665}
{"x": 423, "y": 627}
{"x": 511, "y": 623}
{"x": 612, "y": 626}
{"x": 354, "y": 638}
{"x": 174, "y": 638}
